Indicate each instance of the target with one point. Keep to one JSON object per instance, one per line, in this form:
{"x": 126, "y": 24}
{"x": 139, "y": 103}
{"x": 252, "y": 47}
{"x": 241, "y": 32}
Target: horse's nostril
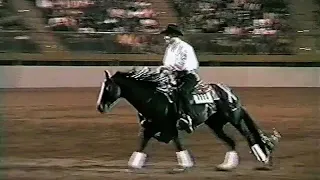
{"x": 100, "y": 108}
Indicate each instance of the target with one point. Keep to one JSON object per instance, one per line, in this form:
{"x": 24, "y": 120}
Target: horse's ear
{"x": 107, "y": 74}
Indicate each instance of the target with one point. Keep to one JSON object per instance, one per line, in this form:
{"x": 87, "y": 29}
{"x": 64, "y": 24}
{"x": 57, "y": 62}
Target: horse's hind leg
{"x": 265, "y": 142}
{"x": 217, "y": 128}
{"x": 216, "y": 124}
{"x": 246, "y": 126}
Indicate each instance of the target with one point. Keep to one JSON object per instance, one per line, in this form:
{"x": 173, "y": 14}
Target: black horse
{"x": 215, "y": 104}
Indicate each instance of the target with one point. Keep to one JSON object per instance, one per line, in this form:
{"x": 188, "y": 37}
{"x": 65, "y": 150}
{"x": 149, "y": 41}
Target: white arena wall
{"x": 76, "y": 76}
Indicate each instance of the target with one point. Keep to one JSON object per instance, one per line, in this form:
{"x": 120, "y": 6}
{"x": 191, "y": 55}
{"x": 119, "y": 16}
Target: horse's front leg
{"x": 183, "y": 156}
{"x": 138, "y": 158}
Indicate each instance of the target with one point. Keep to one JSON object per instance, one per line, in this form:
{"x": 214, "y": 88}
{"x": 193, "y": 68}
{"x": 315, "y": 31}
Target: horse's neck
{"x": 145, "y": 99}
{"x": 137, "y": 95}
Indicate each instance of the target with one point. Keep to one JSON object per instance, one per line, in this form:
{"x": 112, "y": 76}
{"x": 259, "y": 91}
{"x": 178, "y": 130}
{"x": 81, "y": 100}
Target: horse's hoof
{"x": 263, "y": 168}
{"x": 267, "y": 166}
{"x": 222, "y": 168}
{"x": 231, "y": 161}
{"x": 178, "y": 170}
{"x": 129, "y": 170}
{"x": 136, "y": 170}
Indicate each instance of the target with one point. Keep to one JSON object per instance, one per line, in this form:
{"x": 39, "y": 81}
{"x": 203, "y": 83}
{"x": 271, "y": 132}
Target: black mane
{"x": 143, "y": 75}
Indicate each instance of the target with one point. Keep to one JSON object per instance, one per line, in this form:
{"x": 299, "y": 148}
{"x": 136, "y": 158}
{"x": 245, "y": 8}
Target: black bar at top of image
{"x": 152, "y": 63}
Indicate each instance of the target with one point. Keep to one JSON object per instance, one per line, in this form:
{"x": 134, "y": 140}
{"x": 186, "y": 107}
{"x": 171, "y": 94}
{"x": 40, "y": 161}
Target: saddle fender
{"x": 203, "y": 94}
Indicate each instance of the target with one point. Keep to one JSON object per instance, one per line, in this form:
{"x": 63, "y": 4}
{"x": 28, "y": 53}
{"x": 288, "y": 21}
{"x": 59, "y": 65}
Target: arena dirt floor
{"x": 57, "y": 134}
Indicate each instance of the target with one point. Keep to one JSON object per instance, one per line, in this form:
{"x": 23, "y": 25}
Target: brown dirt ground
{"x": 57, "y": 134}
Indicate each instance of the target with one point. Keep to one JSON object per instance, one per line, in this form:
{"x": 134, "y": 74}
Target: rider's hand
{"x": 164, "y": 69}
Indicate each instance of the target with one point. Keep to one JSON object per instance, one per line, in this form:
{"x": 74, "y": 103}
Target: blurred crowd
{"x": 5, "y": 12}
{"x": 107, "y": 16}
{"x": 100, "y": 15}
{"x": 317, "y": 12}
{"x": 126, "y": 26}
{"x": 233, "y": 16}
{"x": 254, "y": 26}
{"x": 13, "y": 42}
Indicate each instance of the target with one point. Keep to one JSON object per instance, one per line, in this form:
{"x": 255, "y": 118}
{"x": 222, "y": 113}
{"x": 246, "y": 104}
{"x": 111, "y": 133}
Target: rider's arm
{"x": 175, "y": 59}
{"x": 192, "y": 60}
{"x": 168, "y": 60}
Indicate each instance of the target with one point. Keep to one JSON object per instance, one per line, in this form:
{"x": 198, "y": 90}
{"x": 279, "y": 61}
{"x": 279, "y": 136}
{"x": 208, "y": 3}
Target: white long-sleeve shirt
{"x": 180, "y": 56}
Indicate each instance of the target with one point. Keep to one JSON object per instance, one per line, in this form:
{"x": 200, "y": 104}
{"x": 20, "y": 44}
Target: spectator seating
{"x": 17, "y": 41}
{"x": 97, "y": 16}
{"x": 233, "y": 16}
{"x": 317, "y": 13}
{"x": 251, "y": 23}
{"x": 122, "y": 26}
{"x": 98, "y": 20}
{"x": 317, "y": 20}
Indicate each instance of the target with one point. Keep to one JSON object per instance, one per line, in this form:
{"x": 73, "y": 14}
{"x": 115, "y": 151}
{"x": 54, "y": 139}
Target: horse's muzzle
{"x": 101, "y": 108}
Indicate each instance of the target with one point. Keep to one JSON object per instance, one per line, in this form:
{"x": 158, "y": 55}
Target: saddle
{"x": 167, "y": 85}
{"x": 201, "y": 88}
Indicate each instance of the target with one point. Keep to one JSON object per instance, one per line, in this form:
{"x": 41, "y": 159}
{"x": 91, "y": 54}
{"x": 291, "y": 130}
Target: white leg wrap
{"x": 137, "y": 160}
{"x": 231, "y": 160}
{"x": 260, "y": 155}
{"x": 184, "y": 159}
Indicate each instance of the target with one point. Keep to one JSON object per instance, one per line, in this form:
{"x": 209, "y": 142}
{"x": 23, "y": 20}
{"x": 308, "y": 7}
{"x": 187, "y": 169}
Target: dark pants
{"x": 187, "y": 82}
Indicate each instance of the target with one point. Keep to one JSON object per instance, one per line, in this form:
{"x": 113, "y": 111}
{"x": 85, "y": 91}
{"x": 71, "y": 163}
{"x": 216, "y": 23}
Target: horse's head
{"x": 129, "y": 85}
{"x": 109, "y": 94}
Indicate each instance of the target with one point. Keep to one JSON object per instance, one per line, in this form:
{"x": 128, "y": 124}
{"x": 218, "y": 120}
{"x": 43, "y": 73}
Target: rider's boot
{"x": 185, "y": 123}
{"x": 142, "y": 120}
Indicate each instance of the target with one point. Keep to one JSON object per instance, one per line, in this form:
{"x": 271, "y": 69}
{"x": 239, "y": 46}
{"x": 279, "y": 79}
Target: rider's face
{"x": 167, "y": 39}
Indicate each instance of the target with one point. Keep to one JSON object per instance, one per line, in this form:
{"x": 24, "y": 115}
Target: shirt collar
{"x": 175, "y": 40}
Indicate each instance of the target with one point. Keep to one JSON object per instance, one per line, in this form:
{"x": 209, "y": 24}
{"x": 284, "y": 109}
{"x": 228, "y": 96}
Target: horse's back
{"x": 226, "y": 95}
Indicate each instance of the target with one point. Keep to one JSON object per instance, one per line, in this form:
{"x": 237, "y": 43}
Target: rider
{"x": 180, "y": 58}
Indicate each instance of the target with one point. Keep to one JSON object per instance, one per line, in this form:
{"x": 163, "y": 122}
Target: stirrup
{"x": 185, "y": 124}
